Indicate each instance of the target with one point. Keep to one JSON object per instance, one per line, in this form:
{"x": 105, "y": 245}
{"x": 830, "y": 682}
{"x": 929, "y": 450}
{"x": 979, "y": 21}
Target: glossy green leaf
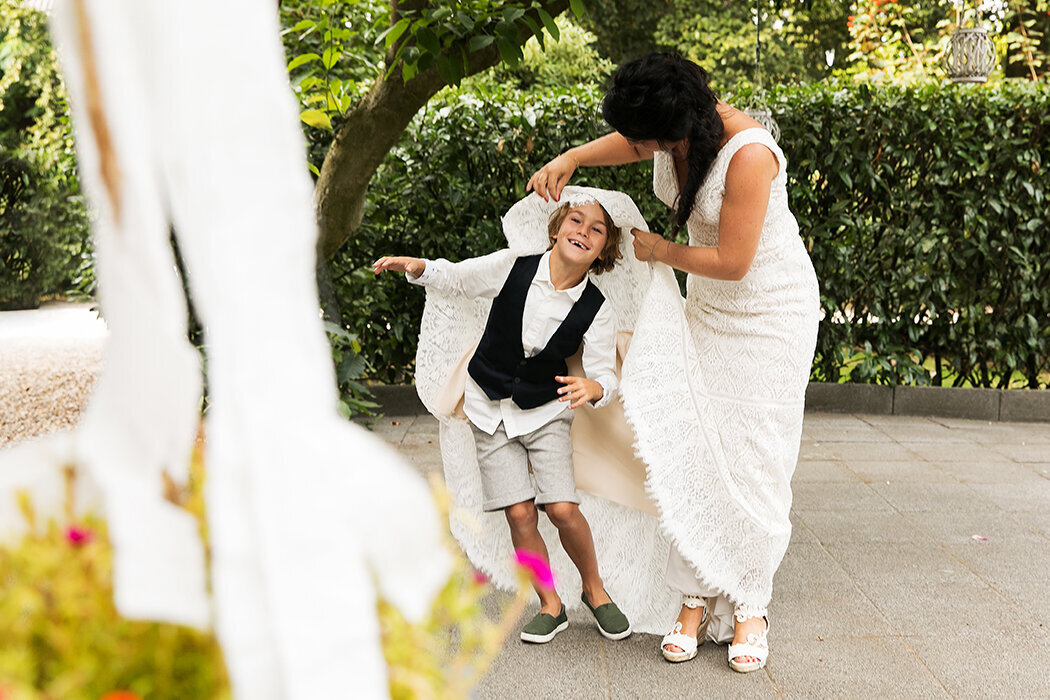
{"x": 479, "y": 42}
{"x": 394, "y": 33}
{"x": 549, "y": 24}
{"x": 509, "y": 52}
{"x": 316, "y": 118}
{"x": 302, "y": 60}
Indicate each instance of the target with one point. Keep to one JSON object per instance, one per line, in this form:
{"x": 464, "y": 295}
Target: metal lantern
{"x": 971, "y": 55}
{"x": 757, "y": 108}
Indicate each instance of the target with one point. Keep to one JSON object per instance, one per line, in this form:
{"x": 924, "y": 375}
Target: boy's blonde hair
{"x": 610, "y": 252}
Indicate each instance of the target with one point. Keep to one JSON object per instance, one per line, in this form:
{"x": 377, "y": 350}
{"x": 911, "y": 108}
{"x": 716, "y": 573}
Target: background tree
{"x": 801, "y": 41}
{"x": 426, "y": 46}
{"x": 572, "y": 61}
{"x": 905, "y": 40}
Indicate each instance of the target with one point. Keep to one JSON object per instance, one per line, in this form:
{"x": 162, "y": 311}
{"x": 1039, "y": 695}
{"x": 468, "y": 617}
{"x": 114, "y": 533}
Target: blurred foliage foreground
{"x": 62, "y": 638}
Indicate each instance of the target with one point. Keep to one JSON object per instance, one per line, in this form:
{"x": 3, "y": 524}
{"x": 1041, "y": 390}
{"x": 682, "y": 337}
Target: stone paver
{"x": 918, "y": 560}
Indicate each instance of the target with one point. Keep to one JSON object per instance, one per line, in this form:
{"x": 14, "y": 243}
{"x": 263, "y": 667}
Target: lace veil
{"x": 632, "y": 550}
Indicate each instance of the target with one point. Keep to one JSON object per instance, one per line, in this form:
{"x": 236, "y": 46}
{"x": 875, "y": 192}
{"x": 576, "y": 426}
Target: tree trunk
{"x": 371, "y": 129}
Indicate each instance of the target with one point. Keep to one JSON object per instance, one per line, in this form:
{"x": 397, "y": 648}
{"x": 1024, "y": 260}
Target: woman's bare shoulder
{"x": 753, "y": 159}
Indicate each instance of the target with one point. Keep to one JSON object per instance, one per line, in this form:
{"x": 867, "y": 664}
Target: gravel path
{"x": 49, "y": 359}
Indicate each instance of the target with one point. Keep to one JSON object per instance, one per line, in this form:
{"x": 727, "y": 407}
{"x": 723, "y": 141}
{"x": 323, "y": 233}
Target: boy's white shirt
{"x": 545, "y": 309}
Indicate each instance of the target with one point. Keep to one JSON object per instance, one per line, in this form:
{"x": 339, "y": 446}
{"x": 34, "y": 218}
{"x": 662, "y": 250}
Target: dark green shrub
{"x": 923, "y": 207}
{"x": 44, "y": 238}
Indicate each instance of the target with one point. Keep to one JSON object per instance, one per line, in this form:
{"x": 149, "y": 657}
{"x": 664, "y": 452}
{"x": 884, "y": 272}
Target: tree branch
{"x": 372, "y": 127}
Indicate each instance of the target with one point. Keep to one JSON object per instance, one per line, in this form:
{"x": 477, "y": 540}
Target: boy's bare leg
{"x": 576, "y": 538}
{"x": 525, "y": 534}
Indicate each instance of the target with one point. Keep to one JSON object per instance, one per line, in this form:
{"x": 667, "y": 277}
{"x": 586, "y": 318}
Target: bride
{"x": 714, "y": 390}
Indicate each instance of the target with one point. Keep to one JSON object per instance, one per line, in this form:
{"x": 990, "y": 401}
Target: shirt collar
{"x": 543, "y": 273}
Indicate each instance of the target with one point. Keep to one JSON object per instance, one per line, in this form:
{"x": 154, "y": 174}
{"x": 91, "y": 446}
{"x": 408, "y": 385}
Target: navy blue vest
{"x": 499, "y": 365}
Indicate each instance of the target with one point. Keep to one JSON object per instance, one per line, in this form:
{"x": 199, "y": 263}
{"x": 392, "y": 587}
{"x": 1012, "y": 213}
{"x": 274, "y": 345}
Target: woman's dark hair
{"x": 665, "y": 97}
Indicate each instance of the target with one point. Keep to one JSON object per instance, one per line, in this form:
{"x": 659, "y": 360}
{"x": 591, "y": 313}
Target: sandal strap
{"x": 757, "y": 645}
{"x": 683, "y": 642}
{"x": 746, "y": 649}
{"x": 742, "y": 613}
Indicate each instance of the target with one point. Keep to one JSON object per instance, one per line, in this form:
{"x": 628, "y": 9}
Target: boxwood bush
{"x": 923, "y": 208}
{"x": 44, "y": 240}
{"x": 926, "y": 215}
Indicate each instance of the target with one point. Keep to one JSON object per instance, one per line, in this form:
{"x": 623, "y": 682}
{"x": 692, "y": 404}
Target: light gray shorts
{"x": 504, "y": 463}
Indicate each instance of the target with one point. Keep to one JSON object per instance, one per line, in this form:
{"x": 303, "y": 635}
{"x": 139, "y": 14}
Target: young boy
{"x": 543, "y": 308}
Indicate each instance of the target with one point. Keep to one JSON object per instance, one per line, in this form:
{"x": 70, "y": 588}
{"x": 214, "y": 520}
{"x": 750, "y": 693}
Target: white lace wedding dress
{"x": 714, "y": 388}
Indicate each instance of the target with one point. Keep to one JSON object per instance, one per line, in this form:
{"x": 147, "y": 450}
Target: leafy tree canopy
{"x": 801, "y": 41}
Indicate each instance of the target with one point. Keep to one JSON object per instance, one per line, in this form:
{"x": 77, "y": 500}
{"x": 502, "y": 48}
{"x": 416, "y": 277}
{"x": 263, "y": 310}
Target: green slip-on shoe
{"x": 612, "y": 623}
{"x": 543, "y": 628}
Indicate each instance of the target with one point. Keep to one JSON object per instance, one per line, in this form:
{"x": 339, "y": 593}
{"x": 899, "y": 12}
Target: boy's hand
{"x": 413, "y": 266}
{"x": 579, "y": 390}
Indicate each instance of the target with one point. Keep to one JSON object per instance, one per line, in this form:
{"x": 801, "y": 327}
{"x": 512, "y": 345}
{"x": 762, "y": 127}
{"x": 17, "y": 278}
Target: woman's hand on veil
{"x": 412, "y": 266}
{"x": 549, "y": 180}
{"x": 645, "y": 244}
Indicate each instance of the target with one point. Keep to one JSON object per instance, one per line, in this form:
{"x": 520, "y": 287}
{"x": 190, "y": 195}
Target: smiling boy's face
{"x": 582, "y": 234}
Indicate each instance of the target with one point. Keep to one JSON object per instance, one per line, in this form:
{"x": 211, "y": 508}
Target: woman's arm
{"x": 748, "y": 180}
{"x": 611, "y": 149}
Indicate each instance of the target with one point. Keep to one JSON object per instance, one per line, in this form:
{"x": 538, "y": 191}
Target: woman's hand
{"x": 645, "y": 244}
{"x": 549, "y": 180}
{"x": 579, "y": 390}
{"x": 413, "y": 266}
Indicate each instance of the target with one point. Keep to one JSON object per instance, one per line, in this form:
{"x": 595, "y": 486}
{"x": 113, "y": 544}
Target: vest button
{"x": 517, "y": 380}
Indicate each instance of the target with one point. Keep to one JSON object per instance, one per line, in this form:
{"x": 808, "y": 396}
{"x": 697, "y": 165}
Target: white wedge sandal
{"x": 687, "y": 644}
{"x": 756, "y": 646}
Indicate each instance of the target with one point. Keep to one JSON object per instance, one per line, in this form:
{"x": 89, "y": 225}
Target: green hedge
{"x": 441, "y": 193}
{"x": 45, "y": 244}
{"x": 923, "y": 209}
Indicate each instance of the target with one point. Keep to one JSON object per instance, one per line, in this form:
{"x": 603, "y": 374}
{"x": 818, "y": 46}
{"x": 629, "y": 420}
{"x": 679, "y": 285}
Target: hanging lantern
{"x": 971, "y": 55}
{"x": 757, "y": 108}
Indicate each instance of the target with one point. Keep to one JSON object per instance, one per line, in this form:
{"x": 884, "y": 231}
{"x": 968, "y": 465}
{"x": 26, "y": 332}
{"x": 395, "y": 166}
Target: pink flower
{"x": 480, "y": 578}
{"x": 536, "y": 566}
{"x": 79, "y": 535}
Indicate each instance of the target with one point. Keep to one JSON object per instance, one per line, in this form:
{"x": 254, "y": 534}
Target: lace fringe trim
{"x": 656, "y": 461}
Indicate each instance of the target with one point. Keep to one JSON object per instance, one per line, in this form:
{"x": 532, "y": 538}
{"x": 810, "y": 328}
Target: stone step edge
{"x": 1017, "y": 405}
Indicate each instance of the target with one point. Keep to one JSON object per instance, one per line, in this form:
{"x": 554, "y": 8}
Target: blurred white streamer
{"x": 185, "y": 118}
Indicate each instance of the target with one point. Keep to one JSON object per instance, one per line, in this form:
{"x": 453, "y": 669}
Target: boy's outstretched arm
{"x": 473, "y": 277}
{"x": 413, "y": 266}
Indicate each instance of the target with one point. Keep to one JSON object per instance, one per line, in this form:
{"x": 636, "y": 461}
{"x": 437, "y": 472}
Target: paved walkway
{"x": 919, "y": 563}
{"x": 918, "y": 567}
